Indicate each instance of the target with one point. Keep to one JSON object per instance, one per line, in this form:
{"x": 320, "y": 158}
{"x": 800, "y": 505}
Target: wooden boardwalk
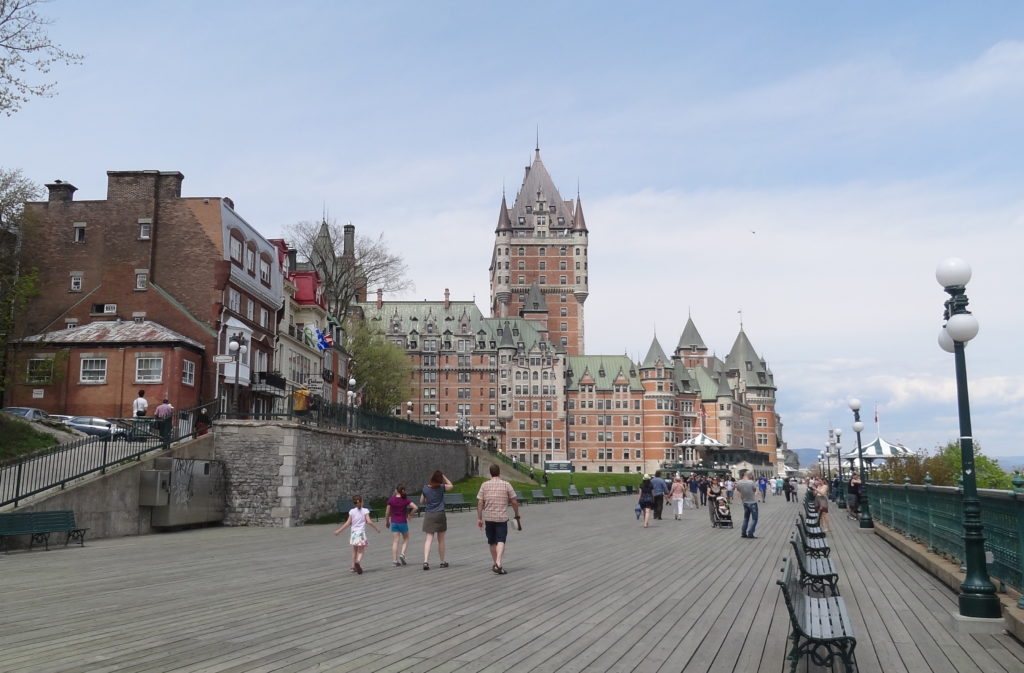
{"x": 588, "y": 590}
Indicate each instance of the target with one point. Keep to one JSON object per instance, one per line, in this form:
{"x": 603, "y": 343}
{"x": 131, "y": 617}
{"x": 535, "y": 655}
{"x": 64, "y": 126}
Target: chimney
{"x": 350, "y": 241}
{"x": 61, "y": 191}
{"x": 169, "y": 184}
{"x": 380, "y": 297}
{"x": 447, "y": 299}
{"x": 293, "y": 261}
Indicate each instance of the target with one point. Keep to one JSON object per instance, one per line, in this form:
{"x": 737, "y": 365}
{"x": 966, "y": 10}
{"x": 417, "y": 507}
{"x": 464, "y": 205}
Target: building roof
{"x": 690, "y": 338}
{"x": 751, "y": 368}
{"x": 120, "y": 332}
{"x": 538, "y": 186}
{"x": 878, "y": 449}
{"x": 655, "y": 354}
{"x": 604, "y": 370}
{"x": 535, "y": 302}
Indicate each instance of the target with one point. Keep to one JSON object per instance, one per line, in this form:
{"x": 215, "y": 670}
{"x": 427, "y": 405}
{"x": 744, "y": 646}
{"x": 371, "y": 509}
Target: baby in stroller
{"x": 721, "y": 515}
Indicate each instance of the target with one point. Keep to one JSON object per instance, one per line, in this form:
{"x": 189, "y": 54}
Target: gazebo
{"x": 876, "y": 450}
{"x": 696, "y": 447}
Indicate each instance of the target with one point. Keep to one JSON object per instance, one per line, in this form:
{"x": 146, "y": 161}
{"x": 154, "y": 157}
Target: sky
{"x": 802, "y": 167}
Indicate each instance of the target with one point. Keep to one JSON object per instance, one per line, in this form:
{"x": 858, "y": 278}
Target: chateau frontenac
{"x": 521, "y": 378}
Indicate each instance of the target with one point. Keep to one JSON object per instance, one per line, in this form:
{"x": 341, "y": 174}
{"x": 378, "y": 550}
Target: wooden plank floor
{"x": 588, "y": 590}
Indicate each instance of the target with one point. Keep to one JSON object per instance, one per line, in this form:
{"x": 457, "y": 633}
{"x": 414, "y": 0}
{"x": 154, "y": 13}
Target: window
{"x": 236, "y": 250}
{"x": 188, "y": 373}
{"x": 250, "y": 261}
{"x": 250, "y": 307}
{"x": 543, "y": 280}
{"x": 234, "y": 300}
{"x": 542, "y": 252}
{"x": 145, "y": 229}
{"x": 141, "y": 280}
{"x": 264, "y": 317}
{"x": 265, "y": 271}
{"x": 76, "y": 283}
{"x": 39, "y": 370}
{"x": 542, "y": 266}
{"x": 94, "y": 370}
{"x": 149, "y": 370}
{"x": 79, "y": 232}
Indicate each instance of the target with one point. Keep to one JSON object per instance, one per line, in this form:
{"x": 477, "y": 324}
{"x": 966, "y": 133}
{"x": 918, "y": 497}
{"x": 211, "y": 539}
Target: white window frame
{"x": 141, "y": 280}
{"x": 264, "y": 270}
{"x": 38, "y": 377}
{"x": 250, "y": 308}
{"x": 150, "y": 378}
{"x": 235, "y": 247}
{"x": 76, "y": 283}
{"x": 234, "y": 300}
{"x": 188, "y": 373}
{"x": 96, "y": 375}
{"x": 145, "y": 229}
{"x": 264, "y": 317}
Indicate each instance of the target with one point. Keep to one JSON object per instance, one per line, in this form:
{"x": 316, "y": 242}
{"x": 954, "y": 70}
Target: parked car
{"x": 28, "y": 413}
{"x": 94, "y": 425}
{"x": 60, "y": 418}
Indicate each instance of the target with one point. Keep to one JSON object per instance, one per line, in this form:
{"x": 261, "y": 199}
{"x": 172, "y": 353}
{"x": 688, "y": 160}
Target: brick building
{"x": 192, "y": 267}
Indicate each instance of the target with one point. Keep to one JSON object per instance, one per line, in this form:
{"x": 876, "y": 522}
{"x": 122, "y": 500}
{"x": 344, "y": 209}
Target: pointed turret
{"x": 506, "y": 337}
{"x": 504, "y": 221}
{"x": 579, "y": 223}
{"x": 743, "y": 362}
{"x": 535, "y": 302}
{"x": 655, "y": 354}
{"x": 690, "y": 339}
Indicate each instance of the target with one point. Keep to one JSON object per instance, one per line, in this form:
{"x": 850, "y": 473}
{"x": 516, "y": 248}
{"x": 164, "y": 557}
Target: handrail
{"x": 128, "y": 439}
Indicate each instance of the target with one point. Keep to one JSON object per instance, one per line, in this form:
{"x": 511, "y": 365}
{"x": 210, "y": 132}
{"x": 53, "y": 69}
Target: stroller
{"x": 721, "y": 516}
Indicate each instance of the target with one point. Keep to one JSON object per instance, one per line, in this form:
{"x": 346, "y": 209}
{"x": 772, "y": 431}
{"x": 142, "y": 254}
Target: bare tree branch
{"x": 25, "y": 46}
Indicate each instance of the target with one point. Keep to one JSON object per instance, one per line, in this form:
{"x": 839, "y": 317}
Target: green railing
{"x": 933, "y": 515}
{"x": 340, "y": 417}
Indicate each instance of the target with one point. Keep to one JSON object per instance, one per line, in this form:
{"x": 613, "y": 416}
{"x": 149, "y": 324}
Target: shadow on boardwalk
{"x": 588, "y": 590}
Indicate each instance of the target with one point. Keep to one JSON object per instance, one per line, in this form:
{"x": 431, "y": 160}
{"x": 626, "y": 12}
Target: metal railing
{"x": 128, "y": 439}
{"x": 337, "y": 416}
{"x": 934, "y": 515}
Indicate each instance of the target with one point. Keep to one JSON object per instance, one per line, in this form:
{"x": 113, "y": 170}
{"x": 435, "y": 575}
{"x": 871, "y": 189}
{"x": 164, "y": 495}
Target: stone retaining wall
{"x": 282, "y": 474}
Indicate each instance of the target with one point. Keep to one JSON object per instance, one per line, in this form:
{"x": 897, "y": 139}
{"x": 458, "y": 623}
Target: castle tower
{"x": 542, "y": 240}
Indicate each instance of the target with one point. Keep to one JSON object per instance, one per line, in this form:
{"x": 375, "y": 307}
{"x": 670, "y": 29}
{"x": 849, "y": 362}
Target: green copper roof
{"x": 535, "y": 302}
{"x": 690, "y": 337}
{"x": 655, "y": 355}
{"x": 751, "y": 368}
{"x": 604, "y": 369}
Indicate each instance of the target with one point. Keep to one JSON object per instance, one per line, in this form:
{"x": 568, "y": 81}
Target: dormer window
{"x": 529, "y": 209}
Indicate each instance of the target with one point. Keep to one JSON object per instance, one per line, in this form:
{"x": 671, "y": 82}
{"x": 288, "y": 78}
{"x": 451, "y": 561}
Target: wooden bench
{"x": 612, "y": 490}
{"x": 815, "y": 573}
{"x": 601, "y": 491}
{"x": 556, "y": 494}
{"x": 345, "y": 504}
{"x": 521, "y": 498}
{"x": 819, "y": 627}
{"x": 588, "y": 492}
{"x": 812, "y": 527}
{"x": 39, "y": 526}
{"x": 629, "y": 490}
{"x": 537, "y": 495}
{"x": 456, "y": 502}
{"x": 815, "y": 546}
{"x": 573, "y": 493}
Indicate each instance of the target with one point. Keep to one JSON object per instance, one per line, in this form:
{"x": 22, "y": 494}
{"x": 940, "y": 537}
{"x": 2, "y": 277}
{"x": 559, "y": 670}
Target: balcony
{"x": 269, "y": 382}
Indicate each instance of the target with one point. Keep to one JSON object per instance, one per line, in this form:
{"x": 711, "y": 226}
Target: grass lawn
{"x": 20, "y": 438}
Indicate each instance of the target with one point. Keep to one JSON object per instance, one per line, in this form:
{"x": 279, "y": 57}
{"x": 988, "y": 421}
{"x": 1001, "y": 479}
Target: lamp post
{"x": 858, "y": 426}
{"x": 977, "y": 593}
{"x": 237, "y": 347}
{"x": 408, "y": 411}
{"x": 841, "y": 495}
{"x": 350, "y": 395}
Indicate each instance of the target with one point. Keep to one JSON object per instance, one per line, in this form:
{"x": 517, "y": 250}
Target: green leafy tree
{"x": 381, "y": 368}
{"x": 989, "y": 474}
{"x": 25, "y": 48}
{"x": 945, "y": 468}
{"x": 18, "y": 278}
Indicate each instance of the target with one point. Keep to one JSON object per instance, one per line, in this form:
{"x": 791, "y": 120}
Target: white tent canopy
{"x": 878, "y": 450}
{"x": 701, "y": 440}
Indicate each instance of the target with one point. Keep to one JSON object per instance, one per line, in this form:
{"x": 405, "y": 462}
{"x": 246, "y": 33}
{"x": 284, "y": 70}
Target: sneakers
{"x": 396, "y": 564}
{"x": 359, "y": 569}
{"x": 401, "y": 557}
{"x": 426, "y": 566}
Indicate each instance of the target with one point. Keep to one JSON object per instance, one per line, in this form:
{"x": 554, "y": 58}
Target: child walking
{"x": 396, "y": 518}
{"x": 358, "y": 518}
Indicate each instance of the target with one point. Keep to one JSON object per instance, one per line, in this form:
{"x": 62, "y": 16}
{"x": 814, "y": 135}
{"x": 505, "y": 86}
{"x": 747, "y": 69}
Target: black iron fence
{"x": 125, "y": 439}
{"x": 314, "y": 411}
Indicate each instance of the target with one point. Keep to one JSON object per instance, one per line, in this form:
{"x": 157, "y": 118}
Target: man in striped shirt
{"x": 492, "y": 501}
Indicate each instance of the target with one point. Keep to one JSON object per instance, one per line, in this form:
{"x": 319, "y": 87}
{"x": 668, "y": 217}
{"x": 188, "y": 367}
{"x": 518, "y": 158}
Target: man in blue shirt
{"x": 762, "y": 485}
{"x": 660, "y": 489}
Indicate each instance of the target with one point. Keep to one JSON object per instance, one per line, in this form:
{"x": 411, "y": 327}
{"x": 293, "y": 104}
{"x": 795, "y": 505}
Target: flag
{"x": 329, "y": 339}
{"x": 321, "y": 341}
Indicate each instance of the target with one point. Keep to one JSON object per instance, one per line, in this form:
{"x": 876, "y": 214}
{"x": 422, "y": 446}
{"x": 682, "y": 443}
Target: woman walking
{"x": 435, "y": 523}
{"x": 714, "y": 492}
{"x": 677, "y": 493}
{"x": 396, "y": 518}
{"x": 821, "y": 501}
{"x": 646, "y": 500}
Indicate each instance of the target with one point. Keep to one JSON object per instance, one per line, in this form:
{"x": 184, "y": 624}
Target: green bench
{"x": 538, "y": 495}
{"x": 812, "y": 527}
{"x": 815, "y": 546}
{"x": 39, "y": 526}
{"x": 556, "y": 494}
{"x": 588, "y": 492}
{"x": 456, "y": 502}
{"x": 574, "y": 493}
{"x": 820, "y": 628}
{"x": 815, "y": 573}
{"x": 345, "y": 504}
{"x": 601, "y": 491}
{"x": 521, "y": 498}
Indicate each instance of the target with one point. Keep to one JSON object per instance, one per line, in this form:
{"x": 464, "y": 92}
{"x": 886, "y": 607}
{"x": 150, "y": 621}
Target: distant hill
{"x": 1010, "y": 463}
{"x": 808, "y": 457}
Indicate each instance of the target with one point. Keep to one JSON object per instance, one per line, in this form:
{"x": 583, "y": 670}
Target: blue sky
{"x": 806, "y": 163}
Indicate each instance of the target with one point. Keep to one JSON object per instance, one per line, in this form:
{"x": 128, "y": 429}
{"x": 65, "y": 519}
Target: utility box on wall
{"x": 183, "y": 491}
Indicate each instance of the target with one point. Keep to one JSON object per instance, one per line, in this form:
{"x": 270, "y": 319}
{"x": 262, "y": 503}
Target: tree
{"x": 381, "y": 369}
{"x": 347, "y": 274}
{"x": 945, "y": 468}
{"x": 25, "y": 47}
{"x": 18, "y": 280}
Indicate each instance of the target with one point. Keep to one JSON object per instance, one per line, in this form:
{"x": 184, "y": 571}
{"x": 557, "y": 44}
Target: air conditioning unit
{"x": 110, "y": 308}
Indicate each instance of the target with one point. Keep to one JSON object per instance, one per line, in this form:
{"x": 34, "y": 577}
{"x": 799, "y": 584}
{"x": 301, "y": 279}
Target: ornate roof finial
{"x": 537, "y": 148}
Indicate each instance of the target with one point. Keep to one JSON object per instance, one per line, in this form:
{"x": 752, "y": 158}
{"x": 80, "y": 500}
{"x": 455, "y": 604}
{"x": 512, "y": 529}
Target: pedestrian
{"x": 853, "y": 495}
{"x": 787, "y": 489}
{"x": 300, "y": 402}
{"x": 396, "y": 518}
{"x": 834, "y": 493}
{"x": 531, "y": 472}
{"x": 793, "y": 484}
{"x": 693, "y": 484}
{"x": 762, "y": 486}
{"x": 821, "y": 501}
{"x": 435, "y": 522}
{"x": 748, "y": 496}
{"x": 730, "y": 487}
{"x": 702, "y": 486}
{"x": 203, "y": 423}
{"x": 660, "y": 489}
{"x": 492, "y": 502}
{"x": 140, "y": 404}
{"x": 358, "y": 519}
{"x": 545, "y": 480}
{"x": 646, "y": 499}
{"x": 677, "y": 494}
{"x": 163, "y": 415}
{"x": 778, "y": 486}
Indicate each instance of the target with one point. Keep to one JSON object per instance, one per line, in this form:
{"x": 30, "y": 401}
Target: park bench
{"x": 612, "y": 490}
{"x": 812, "y": 527}
{"x": 588, "y": 492}
{"x": 629, "y": 490}
{"x": 601, "y": 491}
{"x": 521, "y": 498}
{"x": 537, "y": 495}
{"x": 573, "y": 493}
{"x": 456, "y": 502}
{"x": 39, "y": 526}
{"x": 815, "y": 573}
{"x": 815, "y": 546}
{"x": 345, "y": 504}
{"x": 819, "y": 627}
{"x": 556, "y": 494}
